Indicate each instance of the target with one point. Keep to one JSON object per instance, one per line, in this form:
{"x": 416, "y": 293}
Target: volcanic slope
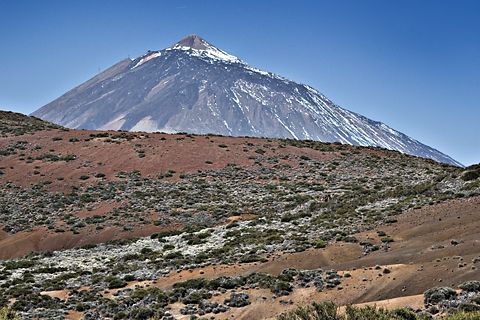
{"x": 195, "y": 87}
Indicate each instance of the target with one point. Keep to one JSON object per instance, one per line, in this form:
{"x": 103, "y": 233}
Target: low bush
{"x": 329, "y": 311}
{"x": 198, "y": 283}
{"x": 470, "y": 286}
{"x": 6, "y": 313}
{"x": 471, "y": 173}
{"x": 320, "y": 244}
{"x": 114, "y": 282}
{"x": 436, "y": 295}
{"x": 18, "y": 264}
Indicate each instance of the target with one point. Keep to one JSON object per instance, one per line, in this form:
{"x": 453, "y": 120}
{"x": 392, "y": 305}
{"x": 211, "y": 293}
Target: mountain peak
{"x": 193, "y": 41}
{"x": 195, "y": 87}
{"x": 201, "y": 47}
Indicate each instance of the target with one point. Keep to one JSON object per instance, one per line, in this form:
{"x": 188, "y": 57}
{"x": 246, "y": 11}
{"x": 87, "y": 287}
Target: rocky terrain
{"x": 122, "y": 225}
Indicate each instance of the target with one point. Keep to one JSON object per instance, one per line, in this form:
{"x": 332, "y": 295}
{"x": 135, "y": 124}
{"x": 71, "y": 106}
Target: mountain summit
{"x": 200, "y": 46}
{"x": 193, "y": 41}
{"x": 196, "y": 87}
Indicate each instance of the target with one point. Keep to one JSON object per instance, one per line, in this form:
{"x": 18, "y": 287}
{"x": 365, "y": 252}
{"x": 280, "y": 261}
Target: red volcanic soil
{"x": 42, "y": 239}
{"x": 163, "y": 152}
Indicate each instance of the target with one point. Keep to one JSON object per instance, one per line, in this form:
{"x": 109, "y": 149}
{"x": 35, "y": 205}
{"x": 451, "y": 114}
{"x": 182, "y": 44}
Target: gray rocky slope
{"x": 195, "y": 87}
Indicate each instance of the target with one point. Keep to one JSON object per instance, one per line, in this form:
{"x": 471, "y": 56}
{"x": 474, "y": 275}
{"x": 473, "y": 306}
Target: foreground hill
{"x": 195, "y": 87}
{"x": 285, "y": 222}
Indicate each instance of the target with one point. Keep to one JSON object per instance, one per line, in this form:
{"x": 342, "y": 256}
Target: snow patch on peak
{"x": 199, "y": 47}
{"x": 387, "y": 128}
{"x": 265, "y": 73}
{"x": 147, "y": 57}
{"x": 210, "y": 52}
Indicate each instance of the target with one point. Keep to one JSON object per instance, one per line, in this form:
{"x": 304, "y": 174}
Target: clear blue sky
{"x": 414, "y": 65}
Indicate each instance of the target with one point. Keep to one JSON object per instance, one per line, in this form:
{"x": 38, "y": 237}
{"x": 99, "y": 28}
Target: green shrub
{"x": 471, "y": 173}
{"x": 154, "y": 293}
{"x": 319, "y": 244}
{"x": 316, "y": 311}
{"x": 281, "y": 288}
{"x": 141, "y": 313}
{"x": 146, "y": 250}
{"x": 470, "y": 286}
{"x": 404, "y": 314}
{"x": 53, "y": 157}
{"x": 196, "y": 296}
{"x": 387, "y": 239}
{"x": 115, "y": 282}
{"x": 436, "y": 295}
{"x": 18, "y": 264}
{"x": 251, "y": 258}
{"x": 198, "y": 283}
{"x": 174, "y": 255}
{"x": 329, "y": 311}
{"x": 464, "y": 316}
{"x": 6, "y": 313}
{"x": 164, "y": 234}
{"x": 80, "y": 307}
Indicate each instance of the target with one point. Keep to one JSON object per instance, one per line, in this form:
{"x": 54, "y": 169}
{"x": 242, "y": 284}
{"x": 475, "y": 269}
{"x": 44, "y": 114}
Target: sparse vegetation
{"x": 329, "y": 311}
{"x": 272, "y": 202}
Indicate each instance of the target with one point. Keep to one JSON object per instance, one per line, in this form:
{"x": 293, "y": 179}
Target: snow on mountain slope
{"x": 195, "y": 87}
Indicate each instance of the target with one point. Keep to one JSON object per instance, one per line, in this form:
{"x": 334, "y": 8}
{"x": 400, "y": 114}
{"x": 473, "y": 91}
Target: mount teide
{"x": 195, "y": 87}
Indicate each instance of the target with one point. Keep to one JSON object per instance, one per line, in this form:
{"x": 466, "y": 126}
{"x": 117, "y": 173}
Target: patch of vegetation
{"x": 6, "y": 313}
{"x": 54, "y": 157}
{"x": 439, "y": 294}
{"x": 18, "y": 264}
{"x": 329, "y": 311}
{"x": 16, "y": 124}
{"x": 471, "y": 173}
{"x": 115, "y": 282}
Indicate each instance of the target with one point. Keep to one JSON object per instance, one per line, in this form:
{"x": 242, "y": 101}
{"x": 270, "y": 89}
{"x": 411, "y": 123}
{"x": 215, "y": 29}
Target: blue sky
{"x": 414, "y": 65}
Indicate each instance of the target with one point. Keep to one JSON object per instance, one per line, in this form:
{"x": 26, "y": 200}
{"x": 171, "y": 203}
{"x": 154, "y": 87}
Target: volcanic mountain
{"x": 195, "y": 87}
